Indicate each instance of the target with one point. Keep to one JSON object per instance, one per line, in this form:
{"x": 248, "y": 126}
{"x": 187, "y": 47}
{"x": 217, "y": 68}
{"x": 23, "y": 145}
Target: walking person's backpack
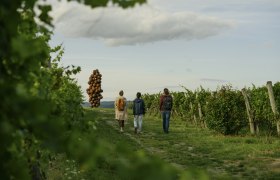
{"x": 167, "y": 103}
{"x": 121, "y": 104}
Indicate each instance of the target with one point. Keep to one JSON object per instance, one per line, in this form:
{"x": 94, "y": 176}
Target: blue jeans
{"x": 165, "y": 120}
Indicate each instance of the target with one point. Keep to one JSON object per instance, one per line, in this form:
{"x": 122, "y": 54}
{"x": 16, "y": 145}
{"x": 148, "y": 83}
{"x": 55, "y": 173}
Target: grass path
{"x": 187, "y": 147}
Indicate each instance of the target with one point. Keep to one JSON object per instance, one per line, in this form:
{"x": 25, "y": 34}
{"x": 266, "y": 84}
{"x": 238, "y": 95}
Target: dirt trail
{"x": 128, "y": 131}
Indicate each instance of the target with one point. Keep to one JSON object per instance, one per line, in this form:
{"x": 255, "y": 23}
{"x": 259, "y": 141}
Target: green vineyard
{"x": 226, "y": 110}
{"x": 46, "y": 133}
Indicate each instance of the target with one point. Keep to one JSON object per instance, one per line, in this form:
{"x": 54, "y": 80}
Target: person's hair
{"x": 138, "y": 95}
{"x": 166, "y": 91}
{"x": 121, "y": 93}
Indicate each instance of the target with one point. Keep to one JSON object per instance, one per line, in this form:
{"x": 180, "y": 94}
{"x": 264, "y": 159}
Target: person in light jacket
{"x": 121, "y": 110}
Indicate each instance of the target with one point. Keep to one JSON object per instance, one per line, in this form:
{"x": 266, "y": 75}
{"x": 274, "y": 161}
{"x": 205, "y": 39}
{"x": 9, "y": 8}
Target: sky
{"x": 171, "y": 44}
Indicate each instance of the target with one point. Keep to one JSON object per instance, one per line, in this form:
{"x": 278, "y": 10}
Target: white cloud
{"x": 142, "y": 24}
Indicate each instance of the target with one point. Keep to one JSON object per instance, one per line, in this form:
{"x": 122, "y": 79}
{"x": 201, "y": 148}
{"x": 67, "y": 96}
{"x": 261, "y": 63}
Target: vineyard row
{"x": 226, "y": 110}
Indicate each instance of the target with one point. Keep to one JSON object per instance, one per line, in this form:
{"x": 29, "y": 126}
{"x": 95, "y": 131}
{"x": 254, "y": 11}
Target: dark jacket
{"x": 138, "y": 107}
{"x": 162, "y": 103}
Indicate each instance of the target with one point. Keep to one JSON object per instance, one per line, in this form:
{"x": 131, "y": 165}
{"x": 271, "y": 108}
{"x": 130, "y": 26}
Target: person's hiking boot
{"x": 135, "y": 130}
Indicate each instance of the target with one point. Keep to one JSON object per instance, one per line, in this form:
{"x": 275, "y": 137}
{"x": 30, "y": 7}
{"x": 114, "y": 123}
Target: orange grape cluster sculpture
{"x": 94, "y": 91}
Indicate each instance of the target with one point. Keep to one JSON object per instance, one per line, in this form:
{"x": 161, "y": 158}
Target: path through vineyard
{"x": 187, "y": 147}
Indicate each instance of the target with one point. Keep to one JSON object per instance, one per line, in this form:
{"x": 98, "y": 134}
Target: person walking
{"x": 138, "y": 112}
{"x": 121, "y": 110}
{"x": 166, "y": 103}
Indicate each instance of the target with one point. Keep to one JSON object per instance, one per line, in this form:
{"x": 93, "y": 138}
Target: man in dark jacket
{"x": 166, "y": 103}
{"x": 138, "y": 112}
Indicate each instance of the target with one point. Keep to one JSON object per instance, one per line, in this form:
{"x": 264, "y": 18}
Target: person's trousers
{"x": 165, "y": 120}
{"x": 138, "y": 122}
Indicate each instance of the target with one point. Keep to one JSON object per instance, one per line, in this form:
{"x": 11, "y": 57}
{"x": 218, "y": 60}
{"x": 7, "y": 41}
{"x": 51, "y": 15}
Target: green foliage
{"x": 44, "y": 17}
{"x": 202, "y": 97}
{"x": 152, "y": 103}
{"x": 40, "y": 103}
{"x": 201, "y": 101}
{"x": 23, "y": 114}
{"x": 276, "y": 91}
{"x": 226, "y": 111}
{"x": 223, "y": 110}
{"x": 178, "y": 101}
{"x": 261, "y": 108}
{"x": 104, "y": 3}
{"x": 189, "y": 106}
{"x": 40, "y": 107}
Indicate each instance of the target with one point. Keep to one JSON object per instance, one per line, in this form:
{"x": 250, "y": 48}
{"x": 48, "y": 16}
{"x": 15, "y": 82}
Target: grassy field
{"x": 202, "y": 153}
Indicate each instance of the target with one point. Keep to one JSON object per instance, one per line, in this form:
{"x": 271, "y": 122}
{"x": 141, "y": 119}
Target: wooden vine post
{"x": 199, "y": 109}
{"x": 273, "y": 105}
{"x": 194, "y": 116}
{"x": 249, "y": 112}
{"x": 199, "y": 112}
{"x": 202, "y": 120}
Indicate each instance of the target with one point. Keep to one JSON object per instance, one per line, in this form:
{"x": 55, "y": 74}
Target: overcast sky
{"x": 171, "y": 43}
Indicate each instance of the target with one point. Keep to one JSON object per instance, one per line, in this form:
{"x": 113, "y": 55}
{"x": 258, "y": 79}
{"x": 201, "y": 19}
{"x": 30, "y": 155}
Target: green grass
{"x": 233, "y": 156}
{"x": 187, "y": 148}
